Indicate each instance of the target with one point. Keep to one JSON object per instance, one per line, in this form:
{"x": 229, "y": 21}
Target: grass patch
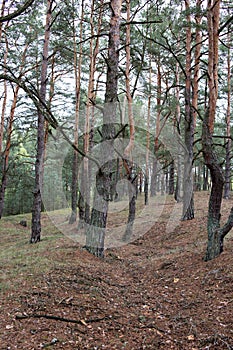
{"x": 20, "y": 260}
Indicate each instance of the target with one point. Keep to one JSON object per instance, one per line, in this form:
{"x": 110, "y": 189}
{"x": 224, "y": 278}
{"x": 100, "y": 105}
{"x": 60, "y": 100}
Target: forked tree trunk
{"x": 37, "y": 201}
{"x": 95, "y": 234}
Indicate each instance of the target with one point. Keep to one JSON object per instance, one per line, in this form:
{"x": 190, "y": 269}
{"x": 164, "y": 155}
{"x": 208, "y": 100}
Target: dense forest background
{"x": 77, "y": 74}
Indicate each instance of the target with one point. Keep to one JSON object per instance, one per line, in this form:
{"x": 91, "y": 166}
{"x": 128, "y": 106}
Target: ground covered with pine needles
{"x": 154, "y": 293}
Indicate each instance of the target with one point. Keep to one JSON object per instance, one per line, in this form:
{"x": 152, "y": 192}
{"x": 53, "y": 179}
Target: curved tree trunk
{"x": 216, "y": 234}
{"x": 215, "y": 239}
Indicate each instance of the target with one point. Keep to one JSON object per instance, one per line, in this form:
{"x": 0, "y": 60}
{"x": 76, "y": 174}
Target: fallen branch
{"x": 63, "y": 319}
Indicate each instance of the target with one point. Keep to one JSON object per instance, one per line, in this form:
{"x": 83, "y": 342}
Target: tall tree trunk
{"x": 228, "y": 129}
{"x": 77, "y": 77}
{"x": 129, "y": 147}
{"x": 2, "y": 14}
{"x": 96, "y": 232}
{"x": 157, "y": 132}
{"x": 6, "y": 153}
{"x": 4, "y": 100}
{"x": 37, "y": 200}
{"x": 84, "y": 196}
{"x": 188, "y": 202}
{"x": 198, "y": 38}
{"x": 216, "y": 234}
{"x": 178, "y": 183}
{"x": 146, "y": 185}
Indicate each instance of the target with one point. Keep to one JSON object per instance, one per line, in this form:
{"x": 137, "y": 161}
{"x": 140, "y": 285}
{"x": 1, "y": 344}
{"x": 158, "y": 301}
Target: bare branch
{"x": 225, "y": 24}
{"x": 17, "y": 12}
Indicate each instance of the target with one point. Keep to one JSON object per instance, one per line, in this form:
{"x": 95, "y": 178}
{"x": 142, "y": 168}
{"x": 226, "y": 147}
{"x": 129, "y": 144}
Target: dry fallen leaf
{"x": 191, "y": 337}
{"x": 9, "y": 326}
{"x": 83, "y": 322}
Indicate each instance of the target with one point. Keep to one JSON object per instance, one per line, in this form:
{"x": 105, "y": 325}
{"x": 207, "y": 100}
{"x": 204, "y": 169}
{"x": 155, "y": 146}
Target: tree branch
{"x": 140, "y": 22}
{"x": 41, "y": 105}
{"x": 63, "y": 319}
{"x": 17, "y": 12}
{"x": 228, "y": 225}
{"x": 225, "y": 24}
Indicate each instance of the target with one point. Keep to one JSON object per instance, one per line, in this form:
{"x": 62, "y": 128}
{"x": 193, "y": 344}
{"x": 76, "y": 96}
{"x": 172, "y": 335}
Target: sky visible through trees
{"x": 103, "y": 104}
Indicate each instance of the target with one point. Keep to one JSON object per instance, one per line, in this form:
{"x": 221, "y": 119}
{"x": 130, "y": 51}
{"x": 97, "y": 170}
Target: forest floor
{"x": 153, "y": 293}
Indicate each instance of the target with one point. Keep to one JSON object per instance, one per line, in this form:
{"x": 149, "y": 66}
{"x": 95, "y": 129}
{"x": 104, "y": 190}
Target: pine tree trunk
{"x": 84, "y": 210}
{"x": 198, "y": 39}
{"x": 4, "y": 100}
{"x": 178, "y": 184}
{"x": 188, "y": 202}
{"x": 157, "y": 131}
{"x": 215, "y": 242}
{"x": 132, "y": 212}
{"x": 171, "y": 179}
{"x": 130, "y": 145}
{"x": 95, "y": 234}
{"x": 6, "y": 153}
{"x": 77, "y": 77}
{"x": 205, "y": 178}
{"x": 37, "y": 201}
{"x": 2, "y": 14}
{"x": 215, "y": 233}
{"x": 228, "y": 129}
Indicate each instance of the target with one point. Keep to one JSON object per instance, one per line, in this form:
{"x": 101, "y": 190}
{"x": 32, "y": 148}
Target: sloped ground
{"x": 154, "y": 293}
